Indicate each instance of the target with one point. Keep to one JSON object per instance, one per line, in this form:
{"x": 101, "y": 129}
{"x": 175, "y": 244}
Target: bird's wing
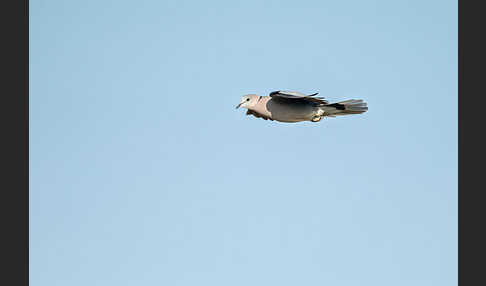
{"x": 258, "y": 115}
{"x": 294, "y": 96}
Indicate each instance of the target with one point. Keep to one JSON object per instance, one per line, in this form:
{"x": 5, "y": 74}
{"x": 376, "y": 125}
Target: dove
{"x": 291, "y": 106}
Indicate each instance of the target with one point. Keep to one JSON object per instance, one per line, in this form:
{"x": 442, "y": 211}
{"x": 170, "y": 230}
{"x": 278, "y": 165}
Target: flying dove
{"x": 290, "y": 106}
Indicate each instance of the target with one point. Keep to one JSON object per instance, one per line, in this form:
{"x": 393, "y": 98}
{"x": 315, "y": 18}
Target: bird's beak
{"x": 238, "y": 106}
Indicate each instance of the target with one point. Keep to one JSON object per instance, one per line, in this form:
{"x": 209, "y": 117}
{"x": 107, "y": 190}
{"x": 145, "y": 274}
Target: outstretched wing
{"x": 258, "y": 115}
{"x": 294, "y": 96}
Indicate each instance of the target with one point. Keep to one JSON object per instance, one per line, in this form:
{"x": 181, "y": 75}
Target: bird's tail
{"x": 351, "y": 106}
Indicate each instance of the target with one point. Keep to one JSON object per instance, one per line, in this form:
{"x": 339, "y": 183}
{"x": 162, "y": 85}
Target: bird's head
{"x": 248, "y": 101}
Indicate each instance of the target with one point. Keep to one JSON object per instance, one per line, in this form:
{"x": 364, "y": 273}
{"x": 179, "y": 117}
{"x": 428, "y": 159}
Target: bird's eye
{"x": 247, "y": 99}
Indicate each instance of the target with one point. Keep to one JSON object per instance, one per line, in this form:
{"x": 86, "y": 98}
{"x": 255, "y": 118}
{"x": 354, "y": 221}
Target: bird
{"x": 292, "y": 106}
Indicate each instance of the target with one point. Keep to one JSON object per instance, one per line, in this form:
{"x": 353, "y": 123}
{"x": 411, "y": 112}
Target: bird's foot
{"x": 316, "y": 118}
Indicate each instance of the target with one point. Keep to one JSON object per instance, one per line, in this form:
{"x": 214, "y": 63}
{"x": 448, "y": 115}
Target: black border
{"x": 471, "y": 203}
{"x": 14, "y": 198}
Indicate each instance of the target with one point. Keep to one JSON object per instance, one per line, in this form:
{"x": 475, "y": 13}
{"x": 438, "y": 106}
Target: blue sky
{"x": 143, "y": 173}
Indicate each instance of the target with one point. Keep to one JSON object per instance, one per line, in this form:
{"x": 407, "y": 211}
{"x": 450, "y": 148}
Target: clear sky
{"x": 143, "y": 173}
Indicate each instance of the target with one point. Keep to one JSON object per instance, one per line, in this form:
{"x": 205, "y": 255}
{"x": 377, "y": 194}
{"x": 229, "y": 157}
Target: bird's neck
{"x": 261, "y": 106}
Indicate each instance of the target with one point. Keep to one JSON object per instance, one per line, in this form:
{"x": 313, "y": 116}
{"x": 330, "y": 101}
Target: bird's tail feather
{"x": 351, "y": 106}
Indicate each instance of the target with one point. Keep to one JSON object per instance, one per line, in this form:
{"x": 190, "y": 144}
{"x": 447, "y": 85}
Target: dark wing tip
{"x": 280, "y": 92}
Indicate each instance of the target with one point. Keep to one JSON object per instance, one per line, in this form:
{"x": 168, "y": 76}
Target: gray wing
{"x": 294, "y": 96}
{"x": 257, "y": 115}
